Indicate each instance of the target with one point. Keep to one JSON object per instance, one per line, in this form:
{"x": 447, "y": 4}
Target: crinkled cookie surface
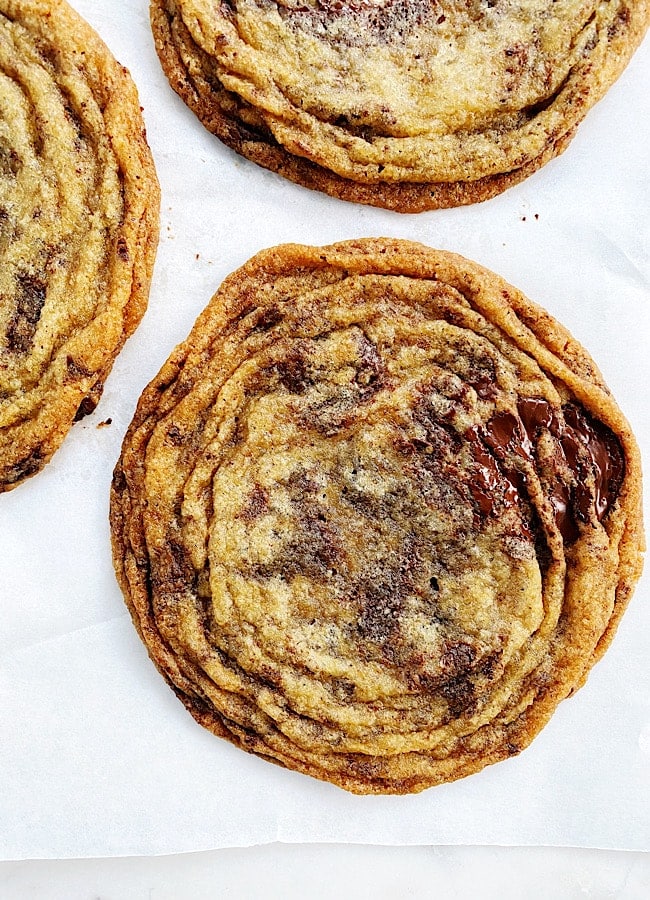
{"x": 79, "y": 205}
{"x": 409, "y": 104}
{"x": 377, "y": 516}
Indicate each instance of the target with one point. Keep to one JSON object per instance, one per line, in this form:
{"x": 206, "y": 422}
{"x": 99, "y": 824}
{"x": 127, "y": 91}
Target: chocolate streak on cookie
{"x": 30, "y": 299}
{"x": 371, "y": 20}
{"x": 606, "y": 457}
{"x": 488, "y": 478}
{"x": 584, "y": 445}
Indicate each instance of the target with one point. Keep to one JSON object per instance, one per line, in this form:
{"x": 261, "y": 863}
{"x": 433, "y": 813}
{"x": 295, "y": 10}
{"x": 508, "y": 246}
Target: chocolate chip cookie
{"x": 404, "y": 104}
{"x": 377, "y": 516}
{"x": 79, "y": 205}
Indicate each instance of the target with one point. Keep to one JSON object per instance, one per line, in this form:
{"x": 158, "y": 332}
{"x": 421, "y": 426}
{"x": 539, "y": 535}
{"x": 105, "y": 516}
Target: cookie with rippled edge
{"x": 79, "y": 207}
{"x": 404, "y": 104}
{"x": 377, "y": 516}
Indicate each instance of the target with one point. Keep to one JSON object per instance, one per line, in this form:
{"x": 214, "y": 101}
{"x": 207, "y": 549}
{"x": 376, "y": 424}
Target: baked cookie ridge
{"x": 377, "y": 516}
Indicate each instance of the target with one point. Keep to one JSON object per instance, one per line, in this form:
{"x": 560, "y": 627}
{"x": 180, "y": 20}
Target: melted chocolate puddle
{"x": 584, "y": 445}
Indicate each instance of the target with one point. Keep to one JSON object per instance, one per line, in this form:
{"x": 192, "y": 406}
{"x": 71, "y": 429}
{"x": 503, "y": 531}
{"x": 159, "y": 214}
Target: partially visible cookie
{"x": 405, "y": 104}
{"x": 79, "y": 207}
{"x": 377, "y": 516}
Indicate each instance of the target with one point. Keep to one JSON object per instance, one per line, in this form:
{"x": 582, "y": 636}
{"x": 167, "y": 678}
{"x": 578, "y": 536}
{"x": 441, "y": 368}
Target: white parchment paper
{"x": 97, "y": 757}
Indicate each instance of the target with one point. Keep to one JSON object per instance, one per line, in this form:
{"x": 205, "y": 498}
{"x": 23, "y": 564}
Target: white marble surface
{"x": 319, "y": 872}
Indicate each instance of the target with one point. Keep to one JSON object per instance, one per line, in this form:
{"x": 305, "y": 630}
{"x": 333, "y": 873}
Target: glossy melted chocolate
{"x": 583, "y": 444}
{"x": 488, "y": 477}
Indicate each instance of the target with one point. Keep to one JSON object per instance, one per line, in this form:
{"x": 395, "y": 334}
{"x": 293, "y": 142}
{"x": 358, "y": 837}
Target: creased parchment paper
{"x": 97, "y": 757}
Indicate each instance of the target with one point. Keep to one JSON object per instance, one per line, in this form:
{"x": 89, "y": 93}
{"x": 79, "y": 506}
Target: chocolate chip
{"x": 122, "y": 249}
{"x": 255, "y": 505}
{"x": 460, "y": 696}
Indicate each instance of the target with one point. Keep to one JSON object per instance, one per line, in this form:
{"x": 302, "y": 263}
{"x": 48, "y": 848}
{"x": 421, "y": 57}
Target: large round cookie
{"x": 79, "y": 204}
{"x": 377, "y": 516}
{"x": 406, "y": 104}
